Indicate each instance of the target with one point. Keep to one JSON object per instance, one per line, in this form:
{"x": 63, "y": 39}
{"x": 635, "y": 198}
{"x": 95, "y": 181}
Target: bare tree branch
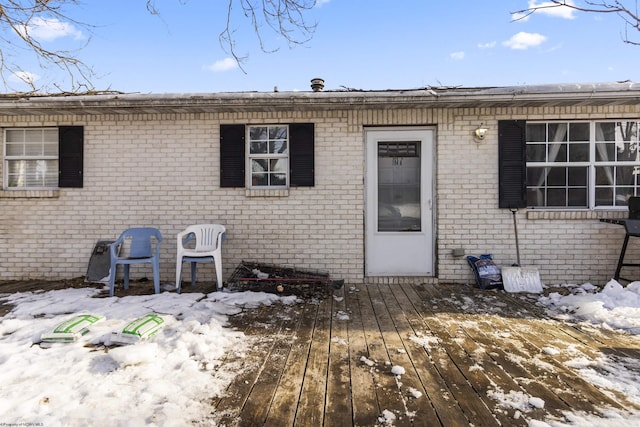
{"x": 20, "y": 21}
{"x": 629, "y": 15}
{"x": 283, "y": 17}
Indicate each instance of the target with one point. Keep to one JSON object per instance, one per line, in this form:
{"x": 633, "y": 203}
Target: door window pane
{"x": 399, "y": 186}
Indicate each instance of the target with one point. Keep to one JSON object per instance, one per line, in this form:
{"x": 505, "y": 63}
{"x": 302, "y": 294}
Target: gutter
{"x": 623, "y": 93}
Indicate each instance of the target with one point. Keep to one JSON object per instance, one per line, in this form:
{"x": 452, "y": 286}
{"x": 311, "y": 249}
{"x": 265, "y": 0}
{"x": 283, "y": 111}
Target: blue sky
{"x": 360, "y": 44}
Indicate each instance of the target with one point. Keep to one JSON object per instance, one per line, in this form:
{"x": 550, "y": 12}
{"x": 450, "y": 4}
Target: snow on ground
{"x": 170, "y": 379}
{"x": 614, "y": 307}
{"x": 167, "y": 380}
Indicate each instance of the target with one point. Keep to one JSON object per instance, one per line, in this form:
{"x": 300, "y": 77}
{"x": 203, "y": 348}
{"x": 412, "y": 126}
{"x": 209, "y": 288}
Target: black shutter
{"x": 70, "y": 156}
{"x": 301, "y": 155}
{"x": 232, "y": 155}
{"x": 512, "y": 160}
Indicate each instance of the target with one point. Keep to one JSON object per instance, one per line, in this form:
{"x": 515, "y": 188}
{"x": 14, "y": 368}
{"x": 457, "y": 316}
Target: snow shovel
{"x": 517, "y": 278}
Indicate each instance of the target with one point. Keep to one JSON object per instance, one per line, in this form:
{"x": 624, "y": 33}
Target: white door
{"x": 399, "y": 205}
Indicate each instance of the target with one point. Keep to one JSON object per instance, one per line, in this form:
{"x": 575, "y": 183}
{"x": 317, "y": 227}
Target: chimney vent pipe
{"x": 317, "y": 84}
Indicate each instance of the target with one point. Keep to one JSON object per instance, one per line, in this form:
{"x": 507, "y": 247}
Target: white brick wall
{"x": 162, "y": 170}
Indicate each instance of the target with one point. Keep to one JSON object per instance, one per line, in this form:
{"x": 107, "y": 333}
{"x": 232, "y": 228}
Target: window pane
{"x": 558, "y": 152}
{"x": 277, "y": 132}
{"x": 50, "y": 135}
{"x": 627, "y": 152}
{"x": 33, "y": 150}
{"x": 557, "y": 177}
{"x": 579, "y": 152}
{"x": 556, "y": 197}
{"x": 579, "y": 132}
{"x": 535, "y": 176}
{"x": 278, "y": 165}
{"x": 536, "y": 152}
{"x": 536, "y": 197}
{"x": 278, "y": 147}
{"x": 578, "y": 176}
{"x": 259, "y": 165}
{"x": 258, "y": 133}
{"x": 33, "y": 135}
{"x": 605, "y": 131}
{"x": 604, "y": 175}
{"x": 258, "y": 147}
{"x": 605, "y": 152}
{"x": 278, "y": 179}
{"x": 626, "y": 131}
{"x": 260, "y": 180}
{"x": 399, "y": 187}
{"x": 625, "y": 176}
{"x": 557, "y": 132}
{"x": 14, "y": 135}
{"x": 577, "y": 197}
{"x": 50, "y": 149}
{"x": 15, "y": 149}
{"x": 536, "y": 132}
{"x": 604, "y": 196}
{"x": 622, "y": 195}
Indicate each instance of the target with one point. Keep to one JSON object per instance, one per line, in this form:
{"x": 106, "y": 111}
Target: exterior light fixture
{"x": 480, "y": 133}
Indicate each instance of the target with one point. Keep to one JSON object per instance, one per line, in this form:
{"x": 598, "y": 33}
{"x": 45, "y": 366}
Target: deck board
{"x": 287, "y": 394}
{"x": 338, "y": 409}
{"x": 365, "y": 408}
{"x": 310, "y": 411}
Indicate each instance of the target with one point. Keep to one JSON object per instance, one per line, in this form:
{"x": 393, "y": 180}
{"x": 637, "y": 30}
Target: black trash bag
{"x": 487, "y": 273}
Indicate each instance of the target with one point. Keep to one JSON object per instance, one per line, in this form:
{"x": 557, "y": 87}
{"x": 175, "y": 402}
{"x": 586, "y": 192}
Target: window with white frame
{"x": 268, "y": 159}
{"x": 30, "y": 158}
{"x": 582, "y": 164}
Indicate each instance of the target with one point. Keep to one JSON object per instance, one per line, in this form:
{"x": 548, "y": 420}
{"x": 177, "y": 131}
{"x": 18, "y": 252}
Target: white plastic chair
{"x": 207, "y": 248}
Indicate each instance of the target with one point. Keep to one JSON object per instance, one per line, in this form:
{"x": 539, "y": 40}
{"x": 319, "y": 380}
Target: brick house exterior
{"x": 155, "y": 160}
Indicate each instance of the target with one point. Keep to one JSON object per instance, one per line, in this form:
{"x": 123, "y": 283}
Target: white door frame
{"x": 404, "y": 253}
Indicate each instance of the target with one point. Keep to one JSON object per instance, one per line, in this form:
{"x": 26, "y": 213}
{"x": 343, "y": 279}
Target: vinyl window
{"x": 578, "y": 164}
{"x": 30, "y": 158}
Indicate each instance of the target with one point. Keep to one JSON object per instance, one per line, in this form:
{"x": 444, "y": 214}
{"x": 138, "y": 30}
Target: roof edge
{"x": 618, "y": 93}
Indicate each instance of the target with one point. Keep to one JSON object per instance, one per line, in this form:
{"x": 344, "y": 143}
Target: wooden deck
{"x": 469, "y": 357}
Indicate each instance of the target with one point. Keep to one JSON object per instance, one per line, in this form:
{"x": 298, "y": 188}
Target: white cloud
{"x": 488, "y": 45}
{"x": 51, "y": 29}
{"x": 24, "y": 77}
{"x": 222, "y": 65}
{"x": 524, "y": 40}
{"x": 547, "y": 8}
{"x": 319, "y": 3}
{"x": 457, "y": 55}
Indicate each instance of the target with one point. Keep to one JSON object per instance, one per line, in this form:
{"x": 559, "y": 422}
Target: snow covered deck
{"x": 462, "y": 357}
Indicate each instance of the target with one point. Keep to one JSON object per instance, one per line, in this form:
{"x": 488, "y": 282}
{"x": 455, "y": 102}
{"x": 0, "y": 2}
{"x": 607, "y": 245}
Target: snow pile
{"x": 615, "y": 306}
{"x": 398, "y": 370}
{"x": 516, "y": 400}
{"x": 387, "y": 418}
{"x": 168, "y": 380}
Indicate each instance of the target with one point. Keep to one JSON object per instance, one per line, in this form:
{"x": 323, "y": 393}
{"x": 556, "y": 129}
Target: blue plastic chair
{"x": 206, "y": 248}
{"x": 140, "y": 250}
